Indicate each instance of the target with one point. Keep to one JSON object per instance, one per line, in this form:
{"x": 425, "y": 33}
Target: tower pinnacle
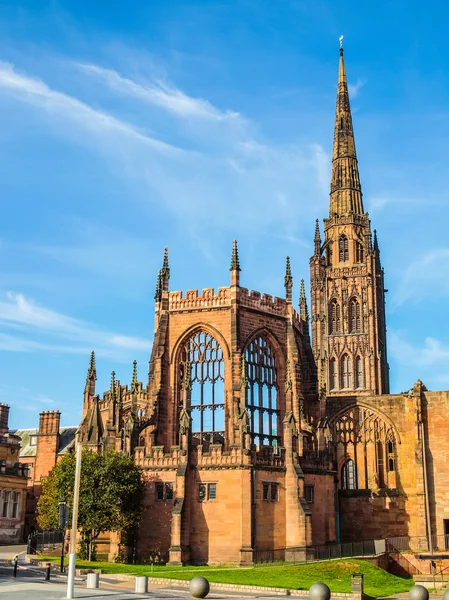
{"x": 303, "y": 310}
{"x": 235, "y": 265}
{"x": 91, "y": 376}
{"x": 288, "y": 280}
{"x": 346, "y": 192}
{"x": 317, "y": 239}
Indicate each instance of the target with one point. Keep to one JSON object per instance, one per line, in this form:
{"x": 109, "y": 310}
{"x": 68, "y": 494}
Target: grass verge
{"x": 336, "y": 574}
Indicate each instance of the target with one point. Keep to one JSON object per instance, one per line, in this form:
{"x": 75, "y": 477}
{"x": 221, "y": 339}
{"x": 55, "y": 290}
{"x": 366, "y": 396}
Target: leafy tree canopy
{"x": 111, "y": 492}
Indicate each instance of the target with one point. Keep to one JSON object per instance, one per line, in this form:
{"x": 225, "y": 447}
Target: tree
{"x": 111, "y": 491}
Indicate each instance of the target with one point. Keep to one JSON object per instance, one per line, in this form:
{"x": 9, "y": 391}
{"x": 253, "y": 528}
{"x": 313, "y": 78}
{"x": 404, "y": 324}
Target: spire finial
{"x": 375, "y": 242}
{"x": 235, "y": 263}
{"x": 317, "y": 238}
{"x": 341, "y": 44}
{"x": 303, "y": 310}
{"x": 288, "y": 279}
{"x": 165, "y": 271}
{"x": 91, "y": 375}
{"x": 134, "y": 382}
{"x": 112, "y": 387}
{"x": 158, "y": 294}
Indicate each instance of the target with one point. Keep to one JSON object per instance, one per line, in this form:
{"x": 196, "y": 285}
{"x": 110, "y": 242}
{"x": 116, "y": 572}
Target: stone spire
{"x": 112, "y": 389}
{"x": 303, "y": 310}
{"x": 288, "y": 281}
{"x": 235, "y": 265}
{"x": 165, "y": 272}
{"x": 158, "y": 293}
{"x": 346, "y": 192}
{"x": 375, "y": 242}
{"x": 317, "y": 239}
{"x": 134, "y": 381}
{"x": 91, "y": 376}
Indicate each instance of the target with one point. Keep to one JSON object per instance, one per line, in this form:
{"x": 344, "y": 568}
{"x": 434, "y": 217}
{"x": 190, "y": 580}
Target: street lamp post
{"x": 76, "y": 495}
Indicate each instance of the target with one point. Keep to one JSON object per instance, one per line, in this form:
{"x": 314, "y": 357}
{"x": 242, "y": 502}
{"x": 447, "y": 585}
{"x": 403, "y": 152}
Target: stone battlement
{"x": 192, "y": 300}
{"x": 262, "y": 302}
{"x": 216, "y": 457}
{"x": 157, "y": 458}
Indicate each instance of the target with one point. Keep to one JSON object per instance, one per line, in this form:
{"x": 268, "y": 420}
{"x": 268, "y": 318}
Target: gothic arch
{"x": 367, "y": 406}
{"x": 263, "y": 392}
{"x": 264, "y": 331}
{"x": 192, "y": 331}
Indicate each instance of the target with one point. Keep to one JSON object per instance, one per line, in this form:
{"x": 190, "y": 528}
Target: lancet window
{"x": 354, "y": 316}
{"x": 343, "y": 249}
{"x": 358, "y": 373}
{"x": 333, "y": 376}
{"x": 346, "y": 371}
{"x": 358, "y": 252}
{"x": 365, "y": 448}
{"x": 262, "y": 393}
{"x": 202, "y": 376}
{"x": 334, "y": 317}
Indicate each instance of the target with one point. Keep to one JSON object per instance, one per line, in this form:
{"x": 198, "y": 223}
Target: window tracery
{"x": 333, "y": 377}
{"x": 262, "y": 393}
{"x": 202, "y": 376}
{"x": 364, "y": 437}
{"x": 346, "y": 371}
{"x": 334, "y": 317}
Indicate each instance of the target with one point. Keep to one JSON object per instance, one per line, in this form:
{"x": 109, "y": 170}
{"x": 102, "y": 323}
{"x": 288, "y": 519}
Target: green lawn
{"x": 336, "y": 574}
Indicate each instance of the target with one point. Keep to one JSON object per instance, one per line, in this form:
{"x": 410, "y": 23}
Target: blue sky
{"x": 129, "y": 126}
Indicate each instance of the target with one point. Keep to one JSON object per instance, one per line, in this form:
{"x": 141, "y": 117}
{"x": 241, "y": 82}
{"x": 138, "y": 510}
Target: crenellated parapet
{"x": 157, "y": 458}
{"x": 262, "y": 302}
{"x": 194, "y": 301}
{"x": 216, "y": 457}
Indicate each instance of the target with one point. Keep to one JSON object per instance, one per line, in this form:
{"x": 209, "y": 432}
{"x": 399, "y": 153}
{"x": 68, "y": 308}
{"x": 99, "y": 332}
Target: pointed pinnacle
{"x": 235, "y": 263}
{"x": 158, "y": 294}
{"x": 112, "y": 388}
{"x": 302, "y": 292}
{"x": 134, "y": 382}
{"x": 165, "y": 271}
{"x": 288, "y": 279}
{"x": 92, "y": 371}
{"x": 375, "y": 243}
{"x": 317, "y": 237}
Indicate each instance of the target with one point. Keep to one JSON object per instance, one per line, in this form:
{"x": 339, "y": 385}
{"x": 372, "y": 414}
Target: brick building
{"x": 13, "y": 484}
{"x": 254, "y": 436}
{"x": 40, "y": 450}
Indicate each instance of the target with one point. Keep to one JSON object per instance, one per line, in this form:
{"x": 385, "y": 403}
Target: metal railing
{"x": 44, "y": 540}
{"x": 419, "y": 543}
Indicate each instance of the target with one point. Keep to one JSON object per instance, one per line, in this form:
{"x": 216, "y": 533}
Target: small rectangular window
{"x": 159, "y": 491}
{"x": 201, "y": 492}
{"x": 266, "y": 491}
{"x": 169, "y": 491}
{"x": 212, "y": 491}
{"x": 33, "y": 440}
{"x": 274, "y": 492}
{"x": 309, "y": 493}
{"x": 5, "y": 504}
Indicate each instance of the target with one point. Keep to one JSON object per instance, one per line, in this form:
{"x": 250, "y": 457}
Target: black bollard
{"x": 47, "y": 572}
{"x": 16, "y": 560}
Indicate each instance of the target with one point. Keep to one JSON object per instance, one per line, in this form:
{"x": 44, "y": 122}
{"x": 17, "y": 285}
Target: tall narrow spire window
{"x": 333, "y": 378}
{"x": 343, "y": 249}
{"x": 346, "y": 372}
{"x": 354, "y": 316}
{"x": 334, "y": 317}
{"x": 358, "y": 372}
{"x": 262, "y": 393}
{"x": 204, "y": 356}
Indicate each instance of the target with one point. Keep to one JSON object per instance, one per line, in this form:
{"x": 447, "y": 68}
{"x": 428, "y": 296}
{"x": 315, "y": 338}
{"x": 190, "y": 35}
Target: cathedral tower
{"x": 347, "y": 280}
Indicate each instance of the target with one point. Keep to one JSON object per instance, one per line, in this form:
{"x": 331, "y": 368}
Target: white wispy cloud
{"x": 424, "y": 277}
{"x": 43, "y": 329}
{"x": 427, "y": 354}
{"x": 159, "y": 94}
{"x": 354, "y": 88}
{"x": 37, "y": 93}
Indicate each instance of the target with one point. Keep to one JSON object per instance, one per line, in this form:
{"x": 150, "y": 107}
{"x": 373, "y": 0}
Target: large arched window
{"x": 358, "y": 373}
{"x": 334, "y": 317}
{"x": 343, "y": 251}
{"x": 203, "y": 355}
{"x": 333, "y": 378}
{"x": 354, "y": 316}
{"x": 346, "y": 372}
{"x": 262, "y": 393}
{"x": 349, "y": 475}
